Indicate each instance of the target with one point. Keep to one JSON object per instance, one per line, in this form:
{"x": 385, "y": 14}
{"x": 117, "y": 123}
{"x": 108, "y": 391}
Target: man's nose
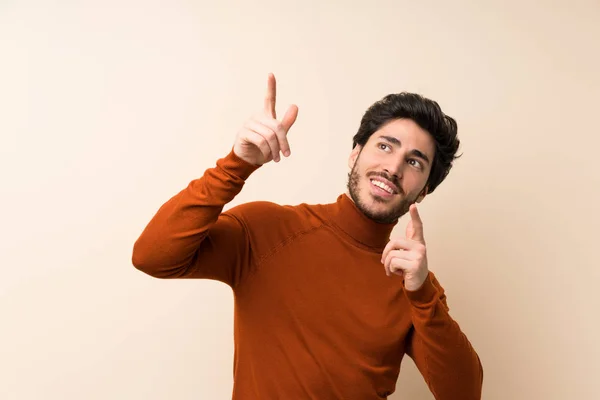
{"x": 395, "y": 168}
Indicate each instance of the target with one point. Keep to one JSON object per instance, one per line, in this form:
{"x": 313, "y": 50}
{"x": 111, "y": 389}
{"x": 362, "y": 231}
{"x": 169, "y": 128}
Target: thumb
{"x": 290, "y": 117}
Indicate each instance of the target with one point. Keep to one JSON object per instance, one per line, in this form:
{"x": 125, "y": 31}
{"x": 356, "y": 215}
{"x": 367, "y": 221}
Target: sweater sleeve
{"x": 190, "y": 236}
{"x": 441, "y": 351}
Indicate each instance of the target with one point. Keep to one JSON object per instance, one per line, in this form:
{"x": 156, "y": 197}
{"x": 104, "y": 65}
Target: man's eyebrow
{"x": 414, "y": 152}
{"x": 418, "y": 153}
{"x": 391, "y": 139}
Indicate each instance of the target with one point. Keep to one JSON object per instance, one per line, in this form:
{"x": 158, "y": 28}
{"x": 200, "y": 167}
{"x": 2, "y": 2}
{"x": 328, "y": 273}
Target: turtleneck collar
{"x": 346, "y": 215}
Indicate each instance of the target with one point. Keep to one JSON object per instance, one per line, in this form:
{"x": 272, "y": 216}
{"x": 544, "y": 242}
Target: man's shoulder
{"x": 269, "y": 214}
{"x": 268, "y": 223}
{"x": 265, "y": 210}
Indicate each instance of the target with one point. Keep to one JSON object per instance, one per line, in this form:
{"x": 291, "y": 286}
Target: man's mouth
{"x": 387, "y": 187}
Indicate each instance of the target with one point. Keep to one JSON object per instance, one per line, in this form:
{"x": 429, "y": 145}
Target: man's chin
{"x": 381, "y": 217}
{"x": 384, "y": 199}
{"x": 381, "y": 211}
{"x": 384, "y": 202}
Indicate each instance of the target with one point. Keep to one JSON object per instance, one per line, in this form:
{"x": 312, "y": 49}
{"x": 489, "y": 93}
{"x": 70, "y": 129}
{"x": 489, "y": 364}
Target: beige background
{"x": 109, "y": 108}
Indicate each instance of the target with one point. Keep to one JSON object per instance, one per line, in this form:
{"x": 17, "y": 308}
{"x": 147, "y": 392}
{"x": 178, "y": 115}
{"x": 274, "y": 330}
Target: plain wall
{"x": 107, "y": 109}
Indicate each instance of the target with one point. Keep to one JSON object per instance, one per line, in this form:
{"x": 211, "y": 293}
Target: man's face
{"x": 390, "y": 171}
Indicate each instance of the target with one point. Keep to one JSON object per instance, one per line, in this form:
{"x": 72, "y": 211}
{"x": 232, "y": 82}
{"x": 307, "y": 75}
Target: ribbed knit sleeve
{"x": 441, "y": 351}
{"x": 190, "y": 236}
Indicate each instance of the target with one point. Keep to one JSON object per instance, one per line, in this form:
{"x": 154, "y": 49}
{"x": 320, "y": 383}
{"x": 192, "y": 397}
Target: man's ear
{"x": 422, "y": 194}
{"x": 354, "y": 155}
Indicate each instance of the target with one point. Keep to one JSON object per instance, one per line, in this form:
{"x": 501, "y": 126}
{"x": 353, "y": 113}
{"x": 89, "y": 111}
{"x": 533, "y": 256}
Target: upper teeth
{"x": 383, "y": 186}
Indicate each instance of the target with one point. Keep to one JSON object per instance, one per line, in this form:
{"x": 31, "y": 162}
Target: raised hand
{"x": 262, "y": 138}
{"x": 408, "y": 256}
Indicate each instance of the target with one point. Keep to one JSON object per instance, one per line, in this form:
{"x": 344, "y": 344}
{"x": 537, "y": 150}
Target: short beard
{"x": 388, "y": 217}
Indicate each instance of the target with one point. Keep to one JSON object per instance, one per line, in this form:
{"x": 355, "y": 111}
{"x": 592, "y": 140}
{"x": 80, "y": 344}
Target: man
{"x": 326, "y": 304}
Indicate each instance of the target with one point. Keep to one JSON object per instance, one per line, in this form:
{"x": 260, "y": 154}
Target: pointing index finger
{"x": 271, "y": 96}
{"x": 417, "y": 223}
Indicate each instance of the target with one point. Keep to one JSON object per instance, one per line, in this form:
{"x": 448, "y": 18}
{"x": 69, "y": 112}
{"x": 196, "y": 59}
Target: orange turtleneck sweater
{"x": 315, "y": 315}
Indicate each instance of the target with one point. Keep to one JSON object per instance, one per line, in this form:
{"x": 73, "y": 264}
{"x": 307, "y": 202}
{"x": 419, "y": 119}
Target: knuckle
{"x": 268, "y": 133}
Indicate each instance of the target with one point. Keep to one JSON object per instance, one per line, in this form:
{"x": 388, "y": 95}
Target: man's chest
{"x": 338, "y": 296}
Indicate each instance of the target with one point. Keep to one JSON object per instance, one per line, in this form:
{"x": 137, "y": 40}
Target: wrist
{"x": 424, "y": 294}
{"x": 237, "y": 166}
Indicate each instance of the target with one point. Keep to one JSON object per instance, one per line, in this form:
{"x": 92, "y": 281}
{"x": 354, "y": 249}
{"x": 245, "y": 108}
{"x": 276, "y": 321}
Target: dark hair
{"x": 428, "y": 115}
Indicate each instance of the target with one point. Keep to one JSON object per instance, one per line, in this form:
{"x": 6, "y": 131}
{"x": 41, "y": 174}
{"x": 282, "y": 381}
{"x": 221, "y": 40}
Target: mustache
{"x": 389, "y": 177}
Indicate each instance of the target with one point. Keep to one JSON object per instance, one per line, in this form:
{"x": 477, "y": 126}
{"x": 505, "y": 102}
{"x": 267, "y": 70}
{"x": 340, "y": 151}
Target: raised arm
{"x": 190, "y": 236}
{"x": 440, "y": 350}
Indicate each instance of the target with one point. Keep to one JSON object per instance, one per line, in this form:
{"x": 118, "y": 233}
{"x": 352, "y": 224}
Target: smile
{"x": 383, "y": 187}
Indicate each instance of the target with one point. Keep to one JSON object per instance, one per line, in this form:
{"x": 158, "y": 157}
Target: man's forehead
{"x": 401, "y": 126}
{"x": 404, "y": 137}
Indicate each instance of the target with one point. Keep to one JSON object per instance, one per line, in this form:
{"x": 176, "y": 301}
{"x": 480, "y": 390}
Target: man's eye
{"x": 384, "y": 146}
{"x": 415, "y": 163}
